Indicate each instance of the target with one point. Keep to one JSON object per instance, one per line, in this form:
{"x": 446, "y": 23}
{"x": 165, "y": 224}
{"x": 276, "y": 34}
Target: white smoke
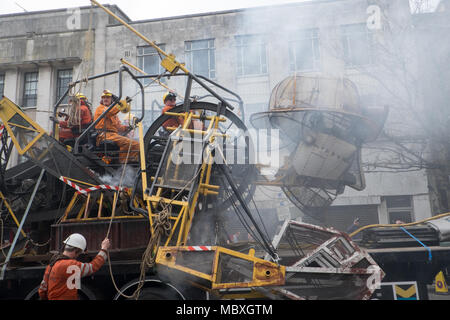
{"x": 123, "y": 177}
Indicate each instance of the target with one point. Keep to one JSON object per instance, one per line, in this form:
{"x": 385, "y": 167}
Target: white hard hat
{"x": 76, "y": 240}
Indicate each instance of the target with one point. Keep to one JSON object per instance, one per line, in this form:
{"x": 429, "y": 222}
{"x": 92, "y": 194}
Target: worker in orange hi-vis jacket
{"x": 78, "y": 119}
{"x": 169, "y": 100}
{"x": 110, "y": 127}
{"x": 62, "y": 276}
{"x": 82, "y": 116}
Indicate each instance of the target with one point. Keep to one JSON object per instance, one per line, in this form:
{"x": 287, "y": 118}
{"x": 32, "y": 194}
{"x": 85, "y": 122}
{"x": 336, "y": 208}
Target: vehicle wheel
{"x": 234, "y": 128}
{"x": 153, "y": 289}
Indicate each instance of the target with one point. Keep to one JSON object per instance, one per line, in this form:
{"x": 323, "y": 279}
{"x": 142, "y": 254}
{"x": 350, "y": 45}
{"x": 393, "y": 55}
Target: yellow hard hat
{"x": 106, "y": 93}
{"x": 169, "y": 95}
{"x": 80, "y": 96}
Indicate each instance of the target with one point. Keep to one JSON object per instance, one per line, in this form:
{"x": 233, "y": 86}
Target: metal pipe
{"x": 140, "y": 35}
{"x": 171, "y": 57}
{"x": 73, "y": 84}
{"x": 153, "y": 78}
{"x": 213, "y": 93}
{"x": 16, "y": 237}
{"x": 92, "y": 125}
{"x": 267, "y": 244}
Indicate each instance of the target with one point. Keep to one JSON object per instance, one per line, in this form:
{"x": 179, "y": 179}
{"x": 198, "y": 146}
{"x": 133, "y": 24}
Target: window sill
{"x": 359, "y": 69}
{"x": 305, "y": 72}
{"x": 253, "y": 78}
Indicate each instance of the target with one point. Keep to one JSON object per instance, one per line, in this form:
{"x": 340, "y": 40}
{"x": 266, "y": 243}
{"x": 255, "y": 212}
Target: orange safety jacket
{"x": 85, "y": 118}
{"x": 70, "y": 132}
{"x": 56, "y": 284}
{"x": 174, "y": 121}
{"x": 111, "y": 121}
{"x": 109, "y": 128}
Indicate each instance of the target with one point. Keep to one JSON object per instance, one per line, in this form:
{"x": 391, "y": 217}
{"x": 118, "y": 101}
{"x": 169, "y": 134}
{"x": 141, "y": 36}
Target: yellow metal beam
{"x": 265, "y": 273}
{"x": 169, "y": 62}
{"x": 195, "y": 116}
{"x": 9, "y": 112}
{"x": 145, "y": 73}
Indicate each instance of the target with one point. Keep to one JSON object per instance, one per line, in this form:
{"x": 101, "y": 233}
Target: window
{"x": 149, "y": 61}
{"x": 251, "y": 55}
{"x": 304, "y": 54}
{"x": 30, "y": 89}
{"x": 2, "y": 84}
{"x": 200, "y": 57}
{"x": 399, "y": 209}
{"x": 357, "y": 41}
{"x": 62, "y": 83}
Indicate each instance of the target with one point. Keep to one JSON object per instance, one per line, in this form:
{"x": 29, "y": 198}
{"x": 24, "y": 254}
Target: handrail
{"x": 72, "y": 84}
{"x": 93, "y": 124}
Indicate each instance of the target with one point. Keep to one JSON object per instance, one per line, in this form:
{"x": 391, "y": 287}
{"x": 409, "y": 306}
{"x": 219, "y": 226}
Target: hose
{"x": 398, "y": 225}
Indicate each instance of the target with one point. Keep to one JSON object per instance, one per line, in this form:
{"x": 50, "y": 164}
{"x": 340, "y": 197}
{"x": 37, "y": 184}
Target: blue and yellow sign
{"x": 441, "y": 285}
{"x": 405, "y": 292}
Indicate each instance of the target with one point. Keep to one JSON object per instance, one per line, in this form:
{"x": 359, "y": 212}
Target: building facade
{"x": 249, "y": 52}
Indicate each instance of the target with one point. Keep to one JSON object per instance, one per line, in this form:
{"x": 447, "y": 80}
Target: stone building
{"x": 248, "y": 51}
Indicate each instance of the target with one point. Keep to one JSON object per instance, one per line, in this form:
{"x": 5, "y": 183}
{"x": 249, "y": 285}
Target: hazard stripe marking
{"x": 199, "y": 248}
{"x": 90, "y": 189}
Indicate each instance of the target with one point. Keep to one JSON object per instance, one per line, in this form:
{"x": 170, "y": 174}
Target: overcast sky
{"x": 140, "y": 9}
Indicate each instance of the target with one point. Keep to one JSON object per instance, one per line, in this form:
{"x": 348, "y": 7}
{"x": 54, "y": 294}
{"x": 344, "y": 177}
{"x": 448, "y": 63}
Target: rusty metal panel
{"x": 324, "y": 263}
{"x": 133, "y": 234}
{"x": 124, "y": 234}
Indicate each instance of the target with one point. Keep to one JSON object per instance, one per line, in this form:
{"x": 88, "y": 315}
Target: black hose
{"x": 266, "y": 243}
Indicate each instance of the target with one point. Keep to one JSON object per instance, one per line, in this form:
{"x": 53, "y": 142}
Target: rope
{"x": 162, "y": 224}
{"x": 36, "y": 244}
{"x": 109, "y": 229}
{"x": 74, "y": 113}
{"x": 83, "y": 71}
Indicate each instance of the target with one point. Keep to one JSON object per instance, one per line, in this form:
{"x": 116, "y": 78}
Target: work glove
{"x": 124, "y": 105}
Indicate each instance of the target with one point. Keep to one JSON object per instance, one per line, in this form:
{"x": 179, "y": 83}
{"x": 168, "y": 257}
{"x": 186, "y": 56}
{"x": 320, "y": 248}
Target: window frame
{"x": 140, "y": 62}
{"x": 313, "y": 36}
{"x": 241, "y": 46}
{"x": 2, "y": 84}
{"x": 25, "y": 97}
{"x": 348, "y": 56}
{"x": 392, "y": 209}
{"x": 59, "y": 93}
{"x": 211, "y": 50}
